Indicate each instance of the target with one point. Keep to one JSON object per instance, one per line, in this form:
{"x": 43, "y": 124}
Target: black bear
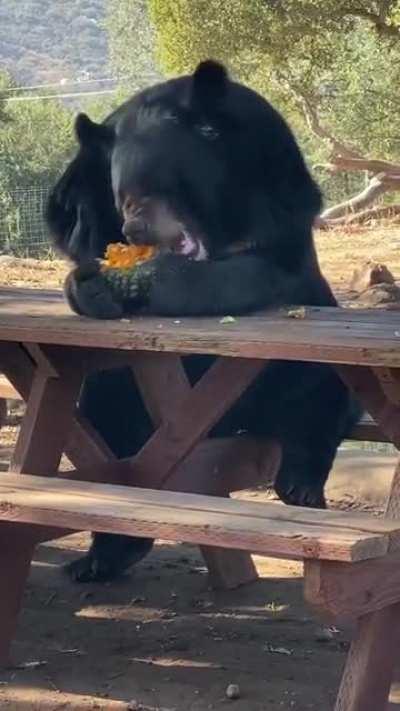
{"x": 208, "y": 171}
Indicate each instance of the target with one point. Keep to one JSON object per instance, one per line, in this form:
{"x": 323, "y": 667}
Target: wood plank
{"x": 342, "y": 591}
{"x": 369, "y": 668}
{"x": 15, "y": 560}
{"x": 84, "y": 447}
{"x": 325, "y": 335}
{"x": 53, "y": 503}
{"x": 228, "y": 569}
{"x": 390, "y": 383}
{"x": 7, "y": 391}
{"x": 199, "y": 410}
{"x": 46, "y": 425}
{"x": 161, "y": 379}
{"x": 366, "y": 386}
{"x": 113, "y": 493}
{"x": 220, "y": 466}
{"x": 366, "y": 430}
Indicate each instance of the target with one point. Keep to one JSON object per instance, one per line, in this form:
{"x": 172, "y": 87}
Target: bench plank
{"x": 263, "y": 528}
{"x": 215, "y": 504}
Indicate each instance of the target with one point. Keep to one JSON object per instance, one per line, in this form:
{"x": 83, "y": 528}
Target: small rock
{"x": 232, "y": 691}
{"x": 133, "y": 706}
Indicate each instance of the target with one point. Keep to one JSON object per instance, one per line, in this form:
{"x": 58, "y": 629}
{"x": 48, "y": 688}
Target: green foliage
{"x": 341, "y": 57}
{"x": 131, "y": 41}
{"x": 34, "y": 142}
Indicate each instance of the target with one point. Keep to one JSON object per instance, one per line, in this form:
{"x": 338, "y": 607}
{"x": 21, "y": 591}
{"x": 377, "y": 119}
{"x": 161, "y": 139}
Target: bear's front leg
{"x": 89, "y": 294}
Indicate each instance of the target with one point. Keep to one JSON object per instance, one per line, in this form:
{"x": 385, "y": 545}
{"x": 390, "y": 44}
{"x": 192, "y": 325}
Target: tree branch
{"x": 359, "y": 218}
{"x": 341, "y": 162}
{"x": 344, "y": 157}
{"x": 378, "y": 20}
{"x": 374, "y": 189}
{"x": 312, "y": 119}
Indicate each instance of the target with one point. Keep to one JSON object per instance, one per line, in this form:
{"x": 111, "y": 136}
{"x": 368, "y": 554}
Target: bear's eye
{"x": 208, "y": 131}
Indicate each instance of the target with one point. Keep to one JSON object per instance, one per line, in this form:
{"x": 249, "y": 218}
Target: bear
{"x": 208, "y": 171}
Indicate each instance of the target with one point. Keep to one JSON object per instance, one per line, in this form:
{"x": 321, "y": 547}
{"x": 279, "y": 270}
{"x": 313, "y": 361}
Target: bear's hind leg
{"x": 110, "y": 400}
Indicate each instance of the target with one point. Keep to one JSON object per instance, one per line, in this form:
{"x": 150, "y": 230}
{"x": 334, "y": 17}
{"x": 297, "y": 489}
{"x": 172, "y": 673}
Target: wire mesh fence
{"x": 23, "y": 231}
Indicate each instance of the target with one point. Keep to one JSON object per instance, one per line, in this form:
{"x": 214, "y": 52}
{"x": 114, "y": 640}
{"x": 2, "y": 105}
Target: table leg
{"x": 3, "y": 412}
{"x": 369, "y": 667}
{"x": 228, "y": 568}
{"x": 46, "y": 425}
{"x": 162, "y": 380}
{"x": 41, "y": 441}
{"x": 15, "y": 559}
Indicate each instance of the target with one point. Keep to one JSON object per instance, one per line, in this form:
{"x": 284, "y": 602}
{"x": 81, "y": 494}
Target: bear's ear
{"x": 90, "y": 133}
{"x": 209, "y": 83}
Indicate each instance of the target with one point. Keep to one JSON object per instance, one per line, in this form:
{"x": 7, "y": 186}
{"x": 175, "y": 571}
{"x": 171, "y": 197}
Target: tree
{"x": 331, "y": 66}
{"x": 34, "y": 141}
{"x": 131, "y": 42}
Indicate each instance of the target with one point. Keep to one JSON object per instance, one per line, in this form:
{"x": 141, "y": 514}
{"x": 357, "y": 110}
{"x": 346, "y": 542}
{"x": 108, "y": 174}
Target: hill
{"x": 42, "y": 41}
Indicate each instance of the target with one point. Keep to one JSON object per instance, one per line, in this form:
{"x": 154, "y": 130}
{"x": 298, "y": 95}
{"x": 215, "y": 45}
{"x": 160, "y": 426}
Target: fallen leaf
{"x": 30, "y": 665}
{"x": 297, "y": 313}
{"x": 278, "y": 650}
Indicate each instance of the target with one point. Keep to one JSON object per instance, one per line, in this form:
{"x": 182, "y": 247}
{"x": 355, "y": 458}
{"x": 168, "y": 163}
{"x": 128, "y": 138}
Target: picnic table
{"x": 169, "y": 489}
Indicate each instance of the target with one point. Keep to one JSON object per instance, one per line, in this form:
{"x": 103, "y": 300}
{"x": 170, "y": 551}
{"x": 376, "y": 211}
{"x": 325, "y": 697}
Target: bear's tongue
{"x": 191, "y": 247}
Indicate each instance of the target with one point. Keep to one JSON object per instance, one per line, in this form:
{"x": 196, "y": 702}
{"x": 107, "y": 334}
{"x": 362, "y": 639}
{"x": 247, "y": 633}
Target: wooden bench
{"x": 320, "y": 538}
{"x": 351, "y": 561}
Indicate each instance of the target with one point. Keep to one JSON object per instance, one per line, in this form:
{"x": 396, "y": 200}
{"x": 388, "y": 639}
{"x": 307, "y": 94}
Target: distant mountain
{"x": 44, "y": 41}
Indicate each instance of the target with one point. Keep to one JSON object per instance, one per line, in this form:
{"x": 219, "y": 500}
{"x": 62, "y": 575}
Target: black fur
{"x": 215, "y": 156}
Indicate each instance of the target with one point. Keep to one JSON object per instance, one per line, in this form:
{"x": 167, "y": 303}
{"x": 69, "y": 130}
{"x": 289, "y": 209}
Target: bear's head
{"x": 199, "y": 164}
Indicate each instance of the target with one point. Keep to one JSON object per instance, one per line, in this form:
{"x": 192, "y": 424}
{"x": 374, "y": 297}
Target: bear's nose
{"x": 134, "y": 229}
{"x": 129, "y": 208}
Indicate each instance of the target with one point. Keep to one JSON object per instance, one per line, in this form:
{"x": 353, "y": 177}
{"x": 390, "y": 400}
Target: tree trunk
{"x": 375, "y": 189}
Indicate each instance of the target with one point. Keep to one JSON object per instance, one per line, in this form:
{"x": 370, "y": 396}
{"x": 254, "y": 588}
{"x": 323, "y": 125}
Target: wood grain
{"x": 368, "y": 673}
{"x": 369, "y": 337}
{"x": 369, "y": 667}
{"x": 342, "y": 591}
{"x": 161, "y": 379}
{"x": 46, "y": 425}
{"x": 220, "y": 522}
{"x": 15, "y": 560}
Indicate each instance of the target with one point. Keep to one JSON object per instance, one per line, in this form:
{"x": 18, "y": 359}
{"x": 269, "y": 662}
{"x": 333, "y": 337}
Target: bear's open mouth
{"x": 190, "y": 246}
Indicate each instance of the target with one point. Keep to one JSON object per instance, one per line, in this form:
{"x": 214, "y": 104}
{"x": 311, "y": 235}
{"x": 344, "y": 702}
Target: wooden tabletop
{"x": 353, "y": 336}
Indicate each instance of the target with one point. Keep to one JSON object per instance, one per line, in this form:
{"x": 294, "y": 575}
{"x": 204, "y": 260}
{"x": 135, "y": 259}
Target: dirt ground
{"x": 160, "y": 639}
{"x": 339, "y": 251}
